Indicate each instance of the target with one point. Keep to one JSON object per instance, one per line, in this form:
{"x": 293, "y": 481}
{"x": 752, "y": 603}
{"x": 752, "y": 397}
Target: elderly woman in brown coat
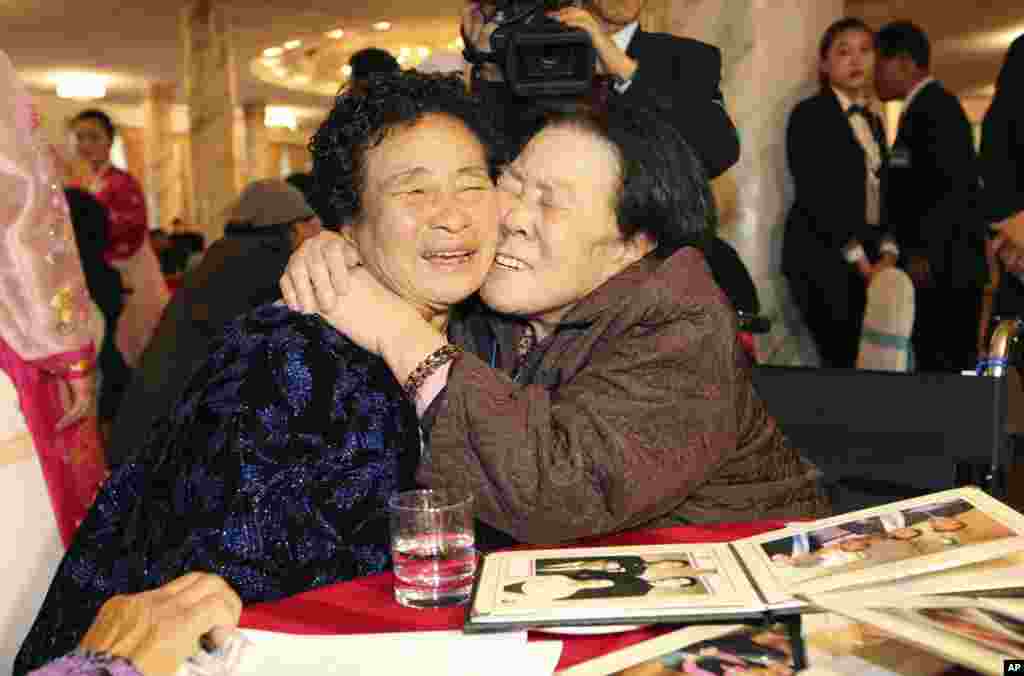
{"x": 597, "y": 385}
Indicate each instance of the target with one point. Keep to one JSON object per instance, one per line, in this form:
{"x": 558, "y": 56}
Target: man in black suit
{"x": 932, "y": 190}
{"x": 677, "y": 77}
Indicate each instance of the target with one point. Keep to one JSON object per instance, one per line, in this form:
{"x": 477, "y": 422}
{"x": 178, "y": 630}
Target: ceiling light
{"x": 280, "y": 116}
{"x": 293, "y": 44}
{"x": 382, "y": 26}
{"x": 273, "y": 52}
{"x": 335, "y": 34}
{"x": 346, "y": 70}
{"x": 83, "y": 86}
{"x": 301, "y": 79}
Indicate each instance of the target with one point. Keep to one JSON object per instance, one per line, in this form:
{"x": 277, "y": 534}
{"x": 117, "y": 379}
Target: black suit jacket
{"x": 933, "y": 187}
{"x": 681, "y": 79}
{"x": 830, "y": 175}
{"x": 1002, "y": 163}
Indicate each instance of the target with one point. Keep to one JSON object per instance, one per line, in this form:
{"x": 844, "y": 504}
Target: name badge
{"x": 900, "y": 158}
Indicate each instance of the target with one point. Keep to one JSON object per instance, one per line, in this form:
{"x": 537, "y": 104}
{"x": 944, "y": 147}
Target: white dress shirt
{"x": 872, "y": 159}
{"x": 622, "y": 38}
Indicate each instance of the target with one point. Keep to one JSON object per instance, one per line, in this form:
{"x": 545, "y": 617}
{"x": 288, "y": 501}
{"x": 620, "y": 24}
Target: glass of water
{"x": 433, "y": 547}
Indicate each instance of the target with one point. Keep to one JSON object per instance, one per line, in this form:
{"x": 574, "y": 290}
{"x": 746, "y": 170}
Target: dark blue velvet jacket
{"x": 273, "y": 470}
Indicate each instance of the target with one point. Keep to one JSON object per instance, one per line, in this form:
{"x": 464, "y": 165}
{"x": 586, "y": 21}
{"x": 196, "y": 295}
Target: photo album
{"x": 905, "y": 548}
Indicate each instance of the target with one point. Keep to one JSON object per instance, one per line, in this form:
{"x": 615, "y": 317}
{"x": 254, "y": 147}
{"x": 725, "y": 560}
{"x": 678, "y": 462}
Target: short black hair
{"x": 371, "y": 60}
{"x": 363, "y": 116}
{"x": 98, "y": 116}
{"x": 304, "y": 183}
{"x": 901, "y": 38}
{"x": 850, "y": 23}
{"x": 663, "y": 188}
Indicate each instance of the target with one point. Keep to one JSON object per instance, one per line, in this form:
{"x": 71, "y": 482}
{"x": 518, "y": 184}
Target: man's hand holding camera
{"x": 476, "y": 30}
{"x": 613, "y": 61}
{"x": 478, "y": 25}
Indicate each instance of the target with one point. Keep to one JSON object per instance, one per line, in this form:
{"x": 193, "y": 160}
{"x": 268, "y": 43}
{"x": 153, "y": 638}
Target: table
{"x": 366, "y": 605}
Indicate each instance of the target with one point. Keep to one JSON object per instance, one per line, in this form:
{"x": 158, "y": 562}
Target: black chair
{"x": 882, "y": 436}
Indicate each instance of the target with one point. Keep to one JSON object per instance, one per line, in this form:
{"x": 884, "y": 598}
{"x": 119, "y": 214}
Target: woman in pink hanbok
{"x": 129, "y": 248}
{"x": 51, "y": 461}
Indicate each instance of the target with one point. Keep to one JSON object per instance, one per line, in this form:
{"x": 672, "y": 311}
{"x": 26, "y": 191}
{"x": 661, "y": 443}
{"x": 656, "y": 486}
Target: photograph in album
{"x": 769, "y": 573}
{"x": 680, "y": 573}
{"x": 596, "y": 585}
{"x": 896, "y": 541}
{"x": 890, "y": 537}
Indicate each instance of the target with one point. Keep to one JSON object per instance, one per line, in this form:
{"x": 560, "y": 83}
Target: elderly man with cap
{"x": 238, "y": 273}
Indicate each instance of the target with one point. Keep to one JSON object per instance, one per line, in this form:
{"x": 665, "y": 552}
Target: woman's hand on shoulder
{"x": 325, "y": 276}
{"x": 318, "y": 272}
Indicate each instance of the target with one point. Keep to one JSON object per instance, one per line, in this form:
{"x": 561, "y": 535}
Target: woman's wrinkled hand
{"x": 159, "y": 629}
{"x": 325, "y": 276}
{"x": 317, "y": 276}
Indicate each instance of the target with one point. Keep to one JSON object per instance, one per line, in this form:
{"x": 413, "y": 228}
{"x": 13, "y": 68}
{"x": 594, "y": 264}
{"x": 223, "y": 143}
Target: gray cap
{"x": 269, "y": 202}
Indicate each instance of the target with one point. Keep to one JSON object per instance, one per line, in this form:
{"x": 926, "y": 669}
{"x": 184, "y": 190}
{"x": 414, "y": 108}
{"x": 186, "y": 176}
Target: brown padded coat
{"x": 641, "y": 413}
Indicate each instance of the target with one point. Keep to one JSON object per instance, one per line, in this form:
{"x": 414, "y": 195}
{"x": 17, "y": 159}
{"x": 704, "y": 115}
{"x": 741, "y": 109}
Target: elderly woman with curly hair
{"x": 274, "y": 468}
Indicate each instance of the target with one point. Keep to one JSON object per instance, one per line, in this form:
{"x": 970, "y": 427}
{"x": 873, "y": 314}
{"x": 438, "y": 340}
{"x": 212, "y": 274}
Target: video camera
{"x": 539, "y": 57}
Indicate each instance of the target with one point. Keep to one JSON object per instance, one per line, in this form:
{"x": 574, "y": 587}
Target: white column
{"x": 160, "y": 175}
{"x": 770, "y": 61}
{"x": 257, "y": 141}
{"x": 211, "y": 86}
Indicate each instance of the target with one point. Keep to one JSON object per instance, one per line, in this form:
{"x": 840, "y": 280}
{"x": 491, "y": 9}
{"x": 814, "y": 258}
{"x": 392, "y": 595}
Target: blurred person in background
{"x": 238, "y": 273}
{"x": 89, "y": 219}
{"x": 128, "y": 232}
{"x": 835, "y": 239}
{"x": 676, "y": 78}
{"x": 1002, "y": 168}
{"x": 931, "y": 202}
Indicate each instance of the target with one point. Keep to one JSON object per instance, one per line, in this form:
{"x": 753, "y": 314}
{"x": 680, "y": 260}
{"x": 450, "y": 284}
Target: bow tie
{"x": 857, "y": 109}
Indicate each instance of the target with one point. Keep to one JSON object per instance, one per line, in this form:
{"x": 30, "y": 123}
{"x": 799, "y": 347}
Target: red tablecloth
{"x": 366, "y": 605}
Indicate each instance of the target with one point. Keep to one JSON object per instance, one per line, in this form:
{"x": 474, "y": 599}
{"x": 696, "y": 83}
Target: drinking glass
{"x": 433, "y": 547}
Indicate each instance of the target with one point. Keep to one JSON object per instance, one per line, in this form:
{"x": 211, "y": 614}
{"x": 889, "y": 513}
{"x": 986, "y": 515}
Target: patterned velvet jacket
{"x": 272, "y": 470}
{"x": 638, "y": 411}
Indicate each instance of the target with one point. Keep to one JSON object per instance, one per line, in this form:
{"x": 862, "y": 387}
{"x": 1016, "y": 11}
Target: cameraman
{"x": 675, "y": 77}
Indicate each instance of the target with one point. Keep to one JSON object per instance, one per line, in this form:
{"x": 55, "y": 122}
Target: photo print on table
{"x": 885, "y": 538}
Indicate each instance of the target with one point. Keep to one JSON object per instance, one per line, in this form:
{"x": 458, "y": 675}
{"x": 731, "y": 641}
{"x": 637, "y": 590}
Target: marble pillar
{"x": 257, "y": 143}
{"x": 211, "y": 92}
{"x": 769, "y": 63}
{"x": 161, "y": 174}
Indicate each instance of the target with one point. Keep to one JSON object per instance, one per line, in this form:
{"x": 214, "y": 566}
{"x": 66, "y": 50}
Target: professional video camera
{"x": 539, "y": 57}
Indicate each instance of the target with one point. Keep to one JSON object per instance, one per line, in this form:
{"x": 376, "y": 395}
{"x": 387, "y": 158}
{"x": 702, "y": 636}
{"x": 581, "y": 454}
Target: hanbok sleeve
{"x": 45, "y": 312}
{"x": 129, "y": 224}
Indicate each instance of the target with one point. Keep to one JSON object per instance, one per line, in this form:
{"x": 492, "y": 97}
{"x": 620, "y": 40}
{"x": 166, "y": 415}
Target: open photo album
{"x": 899, "y": 545}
